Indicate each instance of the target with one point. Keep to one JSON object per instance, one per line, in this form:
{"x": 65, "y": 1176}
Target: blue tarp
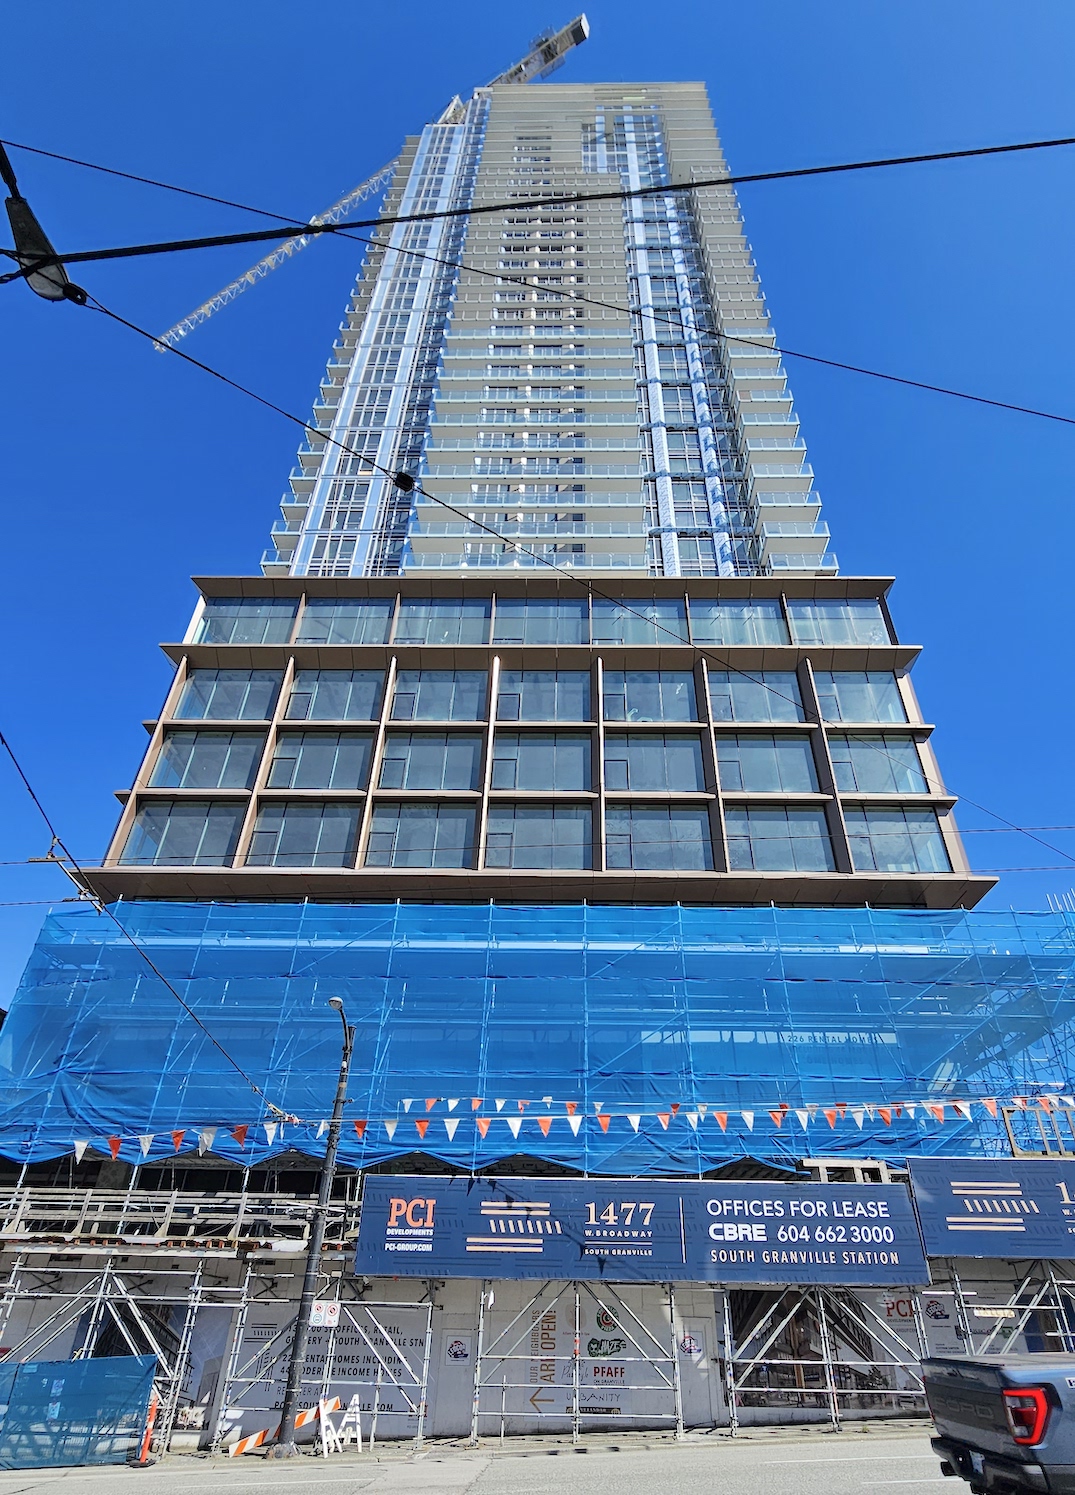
{"x": 63, "y": 1412}
{"x": 637, "y": 1014}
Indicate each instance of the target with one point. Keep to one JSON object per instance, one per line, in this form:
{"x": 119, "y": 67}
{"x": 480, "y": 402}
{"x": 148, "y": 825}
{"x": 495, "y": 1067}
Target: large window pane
{"x": 541, "y": 620}
{"x": 859, "y": 696}
{"x": 321, "y": 760}
{"x": 858, "y": 620}
{"x": 645, "y": 761}
{"x": 896, "y": 840}
{"x": 539, "y": 836}
{"x": 762, "y": 764}
{"x": 877, "y": 764}
{"x": 777, "y": 838}
{"x": 191, "y": 833}
{"x": 439, "y": 696}
{"x": 305, "y": 833}
{"x": 360, "y": 620}
{"x": 208, "y": 760}
{"x": 649, "y": 696}
{"x": 541, "y": 760}
{"x": 229, "y": 695}
{"x": 759, "y": 622}
{"x": 336, "y": 696}
{"x": 658, "y": 838}
{"x": 544, "y": 696}
{"x": 759, "y": 696}
{"x": 431, "y": 760}
{"x": 639, "y": 620}
{"x": 428, "y": 835}
{"x": 443, "y": 620}
{"x": 246, "y": 620}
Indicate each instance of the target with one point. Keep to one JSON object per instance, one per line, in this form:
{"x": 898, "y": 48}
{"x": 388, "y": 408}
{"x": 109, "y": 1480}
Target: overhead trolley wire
{"x": 659, "y": 314}
{"x": 568, "y": 200}
{"x": 584, "y": 582}
{"x": 78, "y": 877}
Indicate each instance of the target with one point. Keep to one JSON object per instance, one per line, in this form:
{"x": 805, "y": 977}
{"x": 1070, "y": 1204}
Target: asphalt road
{"x": 817, "y": 1464}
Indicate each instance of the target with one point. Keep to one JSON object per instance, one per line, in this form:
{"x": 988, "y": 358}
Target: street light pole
{"x": 285, "y": 1446}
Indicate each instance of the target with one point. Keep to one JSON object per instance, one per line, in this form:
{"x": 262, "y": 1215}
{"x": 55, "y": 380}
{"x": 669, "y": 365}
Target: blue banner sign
{"x": 996, "y": 1206}
{"x": 638, "y": 1230}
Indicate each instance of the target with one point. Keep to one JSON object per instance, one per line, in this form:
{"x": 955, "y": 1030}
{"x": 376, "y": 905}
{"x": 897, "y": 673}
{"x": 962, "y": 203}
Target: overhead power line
{"x": 408, "y": 484}
{"x": 568, "y": 200}
{"x": 78, "y": 877}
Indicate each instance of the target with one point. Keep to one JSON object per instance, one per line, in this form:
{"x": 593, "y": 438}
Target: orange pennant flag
{"x": 360, "y": 1129}
{"x": 664, "y": 1117}
{"x": 544, "y": 1122}
{"x": 841, "y": 1107}
{"x": 114, "y": 1145}
{"x": 991, "y": 1107}
{"x": 476, "y": 1103}
{"x": 522, "y": 1104}
{"x": 604, "y": 1120}
{"x": 936, "y": 1110}
{"x": 239, "y": 1133}
{"x": 1046, "y": 1104}
{"x": 431, "y": 1103}
{"x": 830, "y": 1116}
{"x": 422, "y": 1127}
{"x": 675, "y": 1107}
{"x": 778, "y": 1117}
{"x": 722, "y": 1119}
{"x": 572, "y": 1106}
{"x": 885, "y": 1113}
{"x": 899, "y": 1109}
{"x": 177, "y": 1139}
{"x": 483, "y": 1123}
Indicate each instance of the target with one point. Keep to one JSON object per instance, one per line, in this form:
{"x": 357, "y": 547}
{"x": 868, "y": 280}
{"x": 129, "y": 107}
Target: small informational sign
{"x": 995, "y": 1206}
{"x": 324, "y": 1315}
{"x": 639, "y": 1230}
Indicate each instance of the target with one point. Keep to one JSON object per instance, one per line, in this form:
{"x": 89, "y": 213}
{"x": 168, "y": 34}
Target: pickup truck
{"x": 1005, "y": 1423}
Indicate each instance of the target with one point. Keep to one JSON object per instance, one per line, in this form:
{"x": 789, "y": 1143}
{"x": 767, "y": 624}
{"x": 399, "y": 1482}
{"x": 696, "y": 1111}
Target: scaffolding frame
{"x": 492, "y": 1357}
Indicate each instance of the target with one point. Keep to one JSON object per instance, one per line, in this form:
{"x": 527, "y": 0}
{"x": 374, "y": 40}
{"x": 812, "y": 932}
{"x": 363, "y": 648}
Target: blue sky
{"x": 127, "y": 472}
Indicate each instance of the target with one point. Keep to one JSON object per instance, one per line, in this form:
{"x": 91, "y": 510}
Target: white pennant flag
{"x": 702, "y": 1108}
{"x": 869, "y": 1111}
{"x": 858, "y": 1114}
{"x": 500, "y": 1105}
{"x": 270, "y": 1131}
{"x": 205, "y": 1138}
{"x": 450, "y": 1125}
{"x": 514, "y": 1122}
{"x": 634, "y": 1118}
{"x": 407, "y": 1104}
{"x": 574, "y": 1122}
{"x": 748, "y": 1117}
{"x": 910, "y": 1107}
{"x": 546, "y": 1100}
{"x": 692, "y": 1117}
{"x": 1066, "y": 1100}
{"x": 598, "y": 1106}
{"x": 390, "y": 1128}
{"x": 452, "y": 1104}
{"x": 145, "y": 1143}
{"x": 962, "y": 1108}
{"x": 811, "y": 1109}
{"x": 80, "y": 1151}
{"x": 804, "y": 1118}
{"x": 322, "y": 1128}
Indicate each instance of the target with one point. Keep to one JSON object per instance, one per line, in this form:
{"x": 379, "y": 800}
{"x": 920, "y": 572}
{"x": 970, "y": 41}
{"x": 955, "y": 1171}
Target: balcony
{"x": 811, "y": 565}
{"x": 804, "y": 539}
{"x": 535, "y": 528}
{"x": 275, "y": 564}
{"x": 514, "y": 560}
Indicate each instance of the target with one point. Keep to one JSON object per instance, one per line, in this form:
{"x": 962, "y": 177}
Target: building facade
{"x": 550, "y": 740}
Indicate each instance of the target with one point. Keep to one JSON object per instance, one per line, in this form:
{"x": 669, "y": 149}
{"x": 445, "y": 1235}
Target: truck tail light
{"x": 1028, "y": 1412}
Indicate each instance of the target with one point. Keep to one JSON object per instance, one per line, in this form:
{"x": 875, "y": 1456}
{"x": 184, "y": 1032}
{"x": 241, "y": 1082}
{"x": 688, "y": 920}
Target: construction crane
{"x": 547, "y": 53}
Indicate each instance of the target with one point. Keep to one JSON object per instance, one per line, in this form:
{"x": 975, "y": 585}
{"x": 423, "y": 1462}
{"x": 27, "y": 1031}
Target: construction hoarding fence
{"x": 66, "y": 1412}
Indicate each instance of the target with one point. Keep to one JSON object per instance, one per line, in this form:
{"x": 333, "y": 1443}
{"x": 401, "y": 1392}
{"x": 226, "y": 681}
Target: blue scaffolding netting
{"x": 617, "y": 1039}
